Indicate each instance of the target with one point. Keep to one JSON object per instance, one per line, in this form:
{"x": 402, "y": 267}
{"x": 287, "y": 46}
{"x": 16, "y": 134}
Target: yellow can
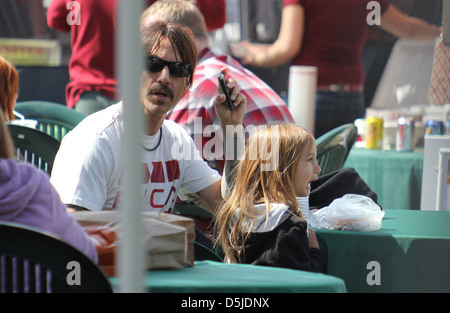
{"x": 374, "y": 132}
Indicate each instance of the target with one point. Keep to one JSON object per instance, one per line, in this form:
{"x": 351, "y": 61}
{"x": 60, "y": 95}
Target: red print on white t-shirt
{"x": 159, "y": 181}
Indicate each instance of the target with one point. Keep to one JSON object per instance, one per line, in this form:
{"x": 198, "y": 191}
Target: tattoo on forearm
{"x": 195, "y": 198}
{"x": 230, "y": 164}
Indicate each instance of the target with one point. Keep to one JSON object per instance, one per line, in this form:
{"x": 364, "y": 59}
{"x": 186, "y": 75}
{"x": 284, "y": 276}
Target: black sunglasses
{"x": 178, "y": 69}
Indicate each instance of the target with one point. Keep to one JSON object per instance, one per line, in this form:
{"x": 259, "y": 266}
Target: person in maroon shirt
{"x": 91, "y": 67}
{"x": 93, "y": 85}
{"x": 330, "y": 35}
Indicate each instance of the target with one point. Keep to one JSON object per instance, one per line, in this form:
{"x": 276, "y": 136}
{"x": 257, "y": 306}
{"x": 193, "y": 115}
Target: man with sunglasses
{"x": 196, "y": 108}
{"x": 87, "y": 168}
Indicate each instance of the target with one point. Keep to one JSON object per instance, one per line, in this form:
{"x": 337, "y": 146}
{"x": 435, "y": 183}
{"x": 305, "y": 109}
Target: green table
{"x": 215, "y": 277}
{"x": 411, "y": 251}
{"x": 395, "y": 176}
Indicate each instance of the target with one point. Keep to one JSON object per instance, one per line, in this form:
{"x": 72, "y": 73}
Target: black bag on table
{"x": 335, "y": 185}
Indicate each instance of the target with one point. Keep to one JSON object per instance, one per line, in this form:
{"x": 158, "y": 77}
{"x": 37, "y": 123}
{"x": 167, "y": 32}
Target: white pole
{"x": 129, "y": 66}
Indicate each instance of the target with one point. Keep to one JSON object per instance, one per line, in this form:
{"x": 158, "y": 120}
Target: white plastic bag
{"x": 351, "y": 212}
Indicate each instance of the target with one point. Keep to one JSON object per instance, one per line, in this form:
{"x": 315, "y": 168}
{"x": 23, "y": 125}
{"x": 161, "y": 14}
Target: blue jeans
{"x": 334, "y": 109}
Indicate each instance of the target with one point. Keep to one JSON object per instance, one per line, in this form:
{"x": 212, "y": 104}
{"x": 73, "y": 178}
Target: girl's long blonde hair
{"x": 264, "y": 175}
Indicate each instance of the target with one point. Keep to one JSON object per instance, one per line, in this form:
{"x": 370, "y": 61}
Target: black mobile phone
{"x": 223, "y": 85}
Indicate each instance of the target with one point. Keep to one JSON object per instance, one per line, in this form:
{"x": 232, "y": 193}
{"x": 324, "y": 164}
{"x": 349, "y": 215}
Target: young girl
{"x": 261, "y": 221}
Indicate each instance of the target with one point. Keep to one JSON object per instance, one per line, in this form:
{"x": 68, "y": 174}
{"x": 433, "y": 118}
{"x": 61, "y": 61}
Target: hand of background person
{"x": 247, "y": 51}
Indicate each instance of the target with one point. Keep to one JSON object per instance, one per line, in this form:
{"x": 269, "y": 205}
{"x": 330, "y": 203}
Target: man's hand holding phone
{"x": 223, "y": 86}
{"x": 230, "y": 103}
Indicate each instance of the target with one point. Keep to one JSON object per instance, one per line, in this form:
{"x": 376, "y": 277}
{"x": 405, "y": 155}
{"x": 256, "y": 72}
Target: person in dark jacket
{"x": 261, "y": 221}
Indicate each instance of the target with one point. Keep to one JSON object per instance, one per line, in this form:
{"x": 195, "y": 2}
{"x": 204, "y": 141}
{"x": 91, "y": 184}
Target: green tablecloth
{"x": 209, "y": 276}
{"x": 412, "y": 249}
{"x": 395, "y": 176}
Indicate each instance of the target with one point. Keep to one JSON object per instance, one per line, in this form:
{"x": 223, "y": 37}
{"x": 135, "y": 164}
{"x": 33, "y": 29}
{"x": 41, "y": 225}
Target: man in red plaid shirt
{"x": 196, "y": 108}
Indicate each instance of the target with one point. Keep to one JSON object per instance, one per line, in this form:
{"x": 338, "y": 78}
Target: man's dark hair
{"x": 153, "y": 35}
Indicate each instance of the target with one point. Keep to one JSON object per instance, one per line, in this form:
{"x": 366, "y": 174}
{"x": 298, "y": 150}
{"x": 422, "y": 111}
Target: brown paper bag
{"x": 168, "y": 239}
{"x": 184, "y": 222}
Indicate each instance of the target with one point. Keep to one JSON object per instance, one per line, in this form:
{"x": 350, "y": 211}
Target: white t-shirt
{"x": 87, "y": 167}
